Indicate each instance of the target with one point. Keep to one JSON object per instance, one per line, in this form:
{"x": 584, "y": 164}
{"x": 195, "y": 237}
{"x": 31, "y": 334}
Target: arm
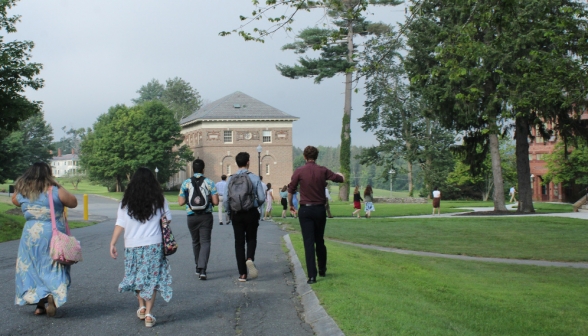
{"x": 14, "y": 200}
{"x": 182, "y": 196}
{"x": 117, "y": 232}
{"x": 292, "y": 210}
{"x": 67, "y": 198}
{"x": 213, "y": 193}
{"x": 215, "y": 199}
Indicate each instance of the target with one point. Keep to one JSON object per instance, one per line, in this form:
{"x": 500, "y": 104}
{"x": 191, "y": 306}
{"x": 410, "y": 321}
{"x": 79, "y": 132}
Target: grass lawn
{"x": 11, "y": 225}
{"x": 523, "y": 237}
{"x": 377, "y": 293}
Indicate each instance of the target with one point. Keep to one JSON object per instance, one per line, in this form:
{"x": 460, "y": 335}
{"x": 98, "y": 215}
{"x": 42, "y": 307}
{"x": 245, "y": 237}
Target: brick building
{"x": 239, "y": 123}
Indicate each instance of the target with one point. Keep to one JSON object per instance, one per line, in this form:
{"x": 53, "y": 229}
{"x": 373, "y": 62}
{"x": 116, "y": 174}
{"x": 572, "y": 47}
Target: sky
{"x": 97, "y": 54}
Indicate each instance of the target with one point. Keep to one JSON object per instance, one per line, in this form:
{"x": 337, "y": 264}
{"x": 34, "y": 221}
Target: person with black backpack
{"x": 199, "y": 194}
{"x": 243, "y": 196}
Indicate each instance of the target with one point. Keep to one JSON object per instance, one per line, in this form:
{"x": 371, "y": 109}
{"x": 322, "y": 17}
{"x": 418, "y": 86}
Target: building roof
{"x": 237, "y": 106}
{"x": 65, "y": 157}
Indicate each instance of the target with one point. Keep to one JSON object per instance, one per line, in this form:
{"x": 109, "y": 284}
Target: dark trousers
{"x": 312, "y": 224}
{"x": 200, "y": 227}
{"x": 245, "y": 228}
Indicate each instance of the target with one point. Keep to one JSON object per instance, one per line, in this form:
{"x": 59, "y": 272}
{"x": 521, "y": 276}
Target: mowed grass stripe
{"x": 377, "y": 293}
{"x": 523, "y": 237}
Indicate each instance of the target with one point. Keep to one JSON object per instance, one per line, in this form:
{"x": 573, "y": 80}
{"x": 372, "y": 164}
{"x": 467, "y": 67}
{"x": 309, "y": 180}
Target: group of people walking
{"x": 368, "y": 195}
{"x": 45, "y": 283}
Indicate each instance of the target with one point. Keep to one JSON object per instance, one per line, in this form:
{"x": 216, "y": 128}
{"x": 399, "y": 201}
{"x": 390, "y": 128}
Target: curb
{"x": 314, "y": 314}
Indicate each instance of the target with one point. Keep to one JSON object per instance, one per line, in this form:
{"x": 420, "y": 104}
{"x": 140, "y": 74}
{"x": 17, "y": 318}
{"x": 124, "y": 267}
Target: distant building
{"x": 62, "y": 165}
{"x": 218, "y": 131}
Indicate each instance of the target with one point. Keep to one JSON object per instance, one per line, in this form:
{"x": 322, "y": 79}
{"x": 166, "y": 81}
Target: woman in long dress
{"x": 269, "y": 199}
{"x": 38, "y": 279}
{"x": 146, "y": 268}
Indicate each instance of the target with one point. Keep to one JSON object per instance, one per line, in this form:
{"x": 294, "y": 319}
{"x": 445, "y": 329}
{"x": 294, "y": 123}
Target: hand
{"x": 343, "y": 176}
{"x": 292, "y": 210}
{"x": 113, "y": 252}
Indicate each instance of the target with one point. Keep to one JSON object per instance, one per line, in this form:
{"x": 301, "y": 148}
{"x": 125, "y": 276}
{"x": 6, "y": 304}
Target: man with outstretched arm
{"x": 312, "y": 179}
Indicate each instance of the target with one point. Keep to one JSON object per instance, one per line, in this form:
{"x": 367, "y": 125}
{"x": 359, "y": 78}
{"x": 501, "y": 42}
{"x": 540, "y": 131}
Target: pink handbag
{"x": 63, "y": 248}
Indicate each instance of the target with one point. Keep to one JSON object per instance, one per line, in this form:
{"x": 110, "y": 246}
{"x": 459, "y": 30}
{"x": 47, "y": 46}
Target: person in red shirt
{"x": 312, "y": 180}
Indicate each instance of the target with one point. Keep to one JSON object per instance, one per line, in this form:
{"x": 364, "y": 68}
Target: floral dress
{"x": 37, "y": 275}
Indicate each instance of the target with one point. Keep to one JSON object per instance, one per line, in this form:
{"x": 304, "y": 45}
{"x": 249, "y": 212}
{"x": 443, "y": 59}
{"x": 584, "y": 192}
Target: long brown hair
{"x": 285, "y": 188}
{"x": 368, "y": 190}
{"x": 356, "y": 191}
{"x": 35, "y": 181}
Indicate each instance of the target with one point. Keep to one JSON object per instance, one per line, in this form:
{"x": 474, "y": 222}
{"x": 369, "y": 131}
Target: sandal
{"x": 151, "y": 323}
{"x": 141, "y": 315}
{"x": 40, "y": 311}
{"x": 51, "y": 308}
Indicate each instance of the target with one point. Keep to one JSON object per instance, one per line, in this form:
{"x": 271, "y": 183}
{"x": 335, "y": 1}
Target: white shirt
{"x": 512, "y": 190}
{"x": 142, "y": 234}
{"x": 327, "y": 195}
{"x": 220, "y": 187}
{"x": 436, "y": 194}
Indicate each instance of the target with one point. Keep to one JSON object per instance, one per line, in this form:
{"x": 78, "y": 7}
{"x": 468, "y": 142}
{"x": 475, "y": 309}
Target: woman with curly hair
{"x": 39, "y": 280}
{"x": 146, "y": 268}
{"x": 368, "y": 195}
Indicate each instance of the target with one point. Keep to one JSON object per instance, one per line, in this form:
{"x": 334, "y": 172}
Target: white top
{"x": 512, "y": 190}
{"x": 436, "y": 194}
{"x": 268, "y": 196}
{"x": 327, "y": 194}
{"x": 142, "y": 234}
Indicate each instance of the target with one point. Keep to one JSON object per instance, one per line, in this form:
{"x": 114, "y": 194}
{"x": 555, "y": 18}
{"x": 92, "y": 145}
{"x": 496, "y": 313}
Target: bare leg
{"x": 149, "y": 305}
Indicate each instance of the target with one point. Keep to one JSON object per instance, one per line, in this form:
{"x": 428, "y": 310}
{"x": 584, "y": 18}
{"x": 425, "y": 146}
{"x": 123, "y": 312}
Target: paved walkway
{"x": 221, "y": 305}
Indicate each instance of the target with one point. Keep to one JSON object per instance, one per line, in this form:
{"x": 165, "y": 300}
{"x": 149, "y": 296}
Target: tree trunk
{"x": 429, "y": 159}
{"x": 410, "y": 185}
{"x": 497, "y": 174}
{"x": 523, "y": 167}
{"x": 118, "y": 184}
{"x": 345, "y": 150}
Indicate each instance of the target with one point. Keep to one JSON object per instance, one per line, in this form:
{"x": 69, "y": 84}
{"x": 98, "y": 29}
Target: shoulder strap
{"x": 52, "y": 207}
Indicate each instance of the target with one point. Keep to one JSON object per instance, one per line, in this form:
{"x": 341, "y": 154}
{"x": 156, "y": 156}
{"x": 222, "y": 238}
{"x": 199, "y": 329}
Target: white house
{"x": 62, "y": 165}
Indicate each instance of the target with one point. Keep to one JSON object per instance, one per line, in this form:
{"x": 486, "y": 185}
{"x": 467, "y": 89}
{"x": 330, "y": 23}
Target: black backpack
{"x": 198, "y": 195}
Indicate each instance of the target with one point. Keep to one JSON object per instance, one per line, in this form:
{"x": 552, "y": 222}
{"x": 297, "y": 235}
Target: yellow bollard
{"x": 85, "y": 206}
{"x": 65, "y": 211}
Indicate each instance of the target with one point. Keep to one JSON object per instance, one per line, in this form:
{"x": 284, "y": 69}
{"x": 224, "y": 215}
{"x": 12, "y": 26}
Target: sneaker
{"x": 203, "y": 275}
{"x": 221, "y": 223}
{"x": 198, "y": 270}
{"x": 251, "y": 269}
{"x": 243, "y": 277}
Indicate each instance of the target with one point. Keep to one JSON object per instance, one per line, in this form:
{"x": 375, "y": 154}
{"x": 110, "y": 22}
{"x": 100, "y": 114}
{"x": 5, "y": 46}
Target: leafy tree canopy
{"x": 177, "y": 94}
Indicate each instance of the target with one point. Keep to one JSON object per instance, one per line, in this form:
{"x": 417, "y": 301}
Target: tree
{"x": 337, "y": 56}
{"x": 181, "y": 98}
{"x": 17, "y": 75}
{"x": 150, "y": 91}
{"x": 567, "y": 167}
{"x": 30, "y": 144}
{"x": 178, "y": 95}
{"x": 124, "y": 139}
{"x": 71, "y": 141}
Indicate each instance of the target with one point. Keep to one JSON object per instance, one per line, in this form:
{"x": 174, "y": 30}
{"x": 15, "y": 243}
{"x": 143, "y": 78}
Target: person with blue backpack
{"x": 244, "y": 194}
{"x": 199, "y": 194}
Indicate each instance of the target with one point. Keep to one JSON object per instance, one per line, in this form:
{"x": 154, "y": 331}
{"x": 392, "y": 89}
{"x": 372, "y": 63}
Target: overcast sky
{"x": 97, "y": 54}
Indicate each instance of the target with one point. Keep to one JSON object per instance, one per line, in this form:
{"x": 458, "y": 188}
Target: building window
{"x": 267, "y": 169}
{"x": 539, "y": 139}
{"x": 267, "y": 136}
{"x": 539, "y": 156}
{"x": 228, "y": 136}
{"x": 530, "y": 157}
{"x": 228, "y": 169}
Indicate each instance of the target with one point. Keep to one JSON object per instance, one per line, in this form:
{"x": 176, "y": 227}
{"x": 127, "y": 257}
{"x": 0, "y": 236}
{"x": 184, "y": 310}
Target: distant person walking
{"x": 436, "y": 201}
{"x": 284, "y": 200}
{"x": 356, "y": 201}
{"x": 269, "y": 199}
{"x": 512, "y": 194}
{"x": 327, "y": 205}
{"x": 146, "y": 268}
{"x": 38, "y": 279}
{"x": 243, "y": 197}
{"x": 368, "y": 196}
{"x": 262, "y": 209}
{"x": 199, "y": 194}
{"x": 220, "y": 189}
{"x": 312, "y": 181}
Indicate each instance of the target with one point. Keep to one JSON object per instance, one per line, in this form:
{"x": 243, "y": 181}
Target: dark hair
{"x": 436, "y": 188}
{"x": 224, "y": 177}
{"x": 242, "y": 158}
{"x": 368, "y": 190}
{"x": 285, "y": 188}
{"x": 269, "y": 186}
{"x": 260, "y": 178}
{"x": 311, "y": 153}
{"x": 143, "y": 196}
{"x": 198, "y": 166}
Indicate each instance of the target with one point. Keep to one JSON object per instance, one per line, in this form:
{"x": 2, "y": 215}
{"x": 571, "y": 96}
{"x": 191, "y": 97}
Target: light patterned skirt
{"x": 147, "y": 271}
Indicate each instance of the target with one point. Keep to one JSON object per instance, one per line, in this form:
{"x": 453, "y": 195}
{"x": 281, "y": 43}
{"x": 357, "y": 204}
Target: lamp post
{"x": 259, "y": 160}
{"x": 156, "y": 171}
{"x": 391, "y": 172}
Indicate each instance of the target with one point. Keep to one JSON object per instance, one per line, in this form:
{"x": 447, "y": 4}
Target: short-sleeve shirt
{"x": 436, "y": 194}
{"x": 141, "y": 234}
{"x": 512, "y": 190}
{"x": 187, "y": 185}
